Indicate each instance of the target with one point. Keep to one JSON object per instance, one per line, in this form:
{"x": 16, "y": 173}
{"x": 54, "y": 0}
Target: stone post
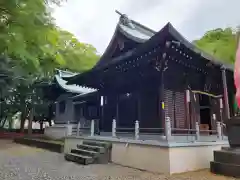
{"x": 69, "y": 129}
{"x": 136, "y": 130}
{"x": 78, "y": 128}
{"x": 168, "y": 131}
{"x": 219, "y": 130}
{"x": 197, "y": 131}
{"x": 92, "y": 127}
{"x": 114, "y": 128}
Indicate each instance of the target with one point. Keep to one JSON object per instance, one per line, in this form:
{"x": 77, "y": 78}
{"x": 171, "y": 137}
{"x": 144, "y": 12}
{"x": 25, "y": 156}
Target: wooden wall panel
{"x": 180, "y": 110}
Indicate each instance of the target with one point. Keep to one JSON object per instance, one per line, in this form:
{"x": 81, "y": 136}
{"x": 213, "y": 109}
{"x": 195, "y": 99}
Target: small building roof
{"x": 70, "y": 88}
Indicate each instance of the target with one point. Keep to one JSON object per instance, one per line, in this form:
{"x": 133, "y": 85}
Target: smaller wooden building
{"x": 67, "y": 108}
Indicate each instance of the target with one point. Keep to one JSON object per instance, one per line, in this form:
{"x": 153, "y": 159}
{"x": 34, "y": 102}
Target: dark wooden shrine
{"x": 147, "y": 76}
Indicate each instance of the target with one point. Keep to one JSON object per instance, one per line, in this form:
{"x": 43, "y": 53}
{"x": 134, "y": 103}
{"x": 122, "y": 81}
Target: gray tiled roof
{"x": 134, "y": 30}
{"x": 71, "y": 88}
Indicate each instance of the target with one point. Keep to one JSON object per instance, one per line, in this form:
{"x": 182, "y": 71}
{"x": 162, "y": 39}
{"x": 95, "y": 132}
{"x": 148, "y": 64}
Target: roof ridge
{"x": 143, "y": 26}
{"x": 135, "y": 22}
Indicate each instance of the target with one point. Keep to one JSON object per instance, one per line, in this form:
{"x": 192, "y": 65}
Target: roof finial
{"x": 118, "y": 13}
{"x": 125, "y": 20}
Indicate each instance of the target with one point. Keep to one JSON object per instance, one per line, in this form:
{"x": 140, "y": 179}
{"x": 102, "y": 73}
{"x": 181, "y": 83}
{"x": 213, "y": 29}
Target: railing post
{"x": 78, "y": 128}
{"x": 219, "y": 130}
{"x": 137, "y": 130}
{"x": 69, "y": 129}
{"x": 221, "y": 115}
{"x": 197, "y": 131}
{"x": 168, "y": 131}
{"x": 114, "y": 128}
{"x": 92, "y": 127}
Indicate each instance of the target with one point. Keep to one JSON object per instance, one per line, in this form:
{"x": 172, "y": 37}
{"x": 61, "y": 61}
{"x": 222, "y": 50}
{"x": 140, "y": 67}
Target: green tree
{"x": 220, "y": 43}
{"x": 78, "y": 56}
{"x": 24, "y": 32}
{"x": 32, "y": 47}
{"x": 71, "y": 54}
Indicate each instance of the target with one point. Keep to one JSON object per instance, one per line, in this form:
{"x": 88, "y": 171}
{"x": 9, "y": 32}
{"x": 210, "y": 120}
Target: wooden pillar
{"x": 225, "y": 95}
{"x": 117, "y": 110}
{"x": 162, "y": 105}
{"x": 163, "y": 67}
{"x": 139, "y": 107}
{"x": 161, "y": 92}
{"x": 188, "y": 109}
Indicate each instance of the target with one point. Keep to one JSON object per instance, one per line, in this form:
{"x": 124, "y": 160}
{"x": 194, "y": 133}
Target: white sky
{"x": 94, "y": 21}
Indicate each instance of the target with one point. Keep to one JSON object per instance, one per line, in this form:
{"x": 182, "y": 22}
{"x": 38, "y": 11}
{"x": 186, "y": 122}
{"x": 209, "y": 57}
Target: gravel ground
{"x": 19, "y": 162}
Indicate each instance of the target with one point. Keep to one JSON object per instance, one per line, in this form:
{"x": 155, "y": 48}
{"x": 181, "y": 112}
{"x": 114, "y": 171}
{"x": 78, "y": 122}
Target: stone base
{"x": 54, "y": 146}
{"x": 154, "y": 156}
{"x": 225, "y": 169}
{"x": 58, "y": 131}
{"x": 233, "y": 130}
{"x": 226, "y": 162}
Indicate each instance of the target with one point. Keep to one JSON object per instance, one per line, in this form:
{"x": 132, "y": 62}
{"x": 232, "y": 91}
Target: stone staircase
{"x": 90, "y": 152}
{"x": 226, "y": 162}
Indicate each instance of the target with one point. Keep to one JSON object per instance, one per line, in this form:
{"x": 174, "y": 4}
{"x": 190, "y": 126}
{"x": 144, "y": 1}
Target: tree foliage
{"x": 220, "y": 43}
{"x": 31, "y": 47}
{"x": 24, "y": 27}
{"x": 70, "y": 53}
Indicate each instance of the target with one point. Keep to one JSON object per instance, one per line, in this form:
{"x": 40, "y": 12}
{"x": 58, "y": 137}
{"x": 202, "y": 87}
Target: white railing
{"x": 169, "y": 133}
{"x": 168, "y": 130}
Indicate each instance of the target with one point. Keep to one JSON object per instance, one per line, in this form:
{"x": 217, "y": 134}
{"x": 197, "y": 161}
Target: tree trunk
{"x": 50, "y": 122}
{"x": 41, "y": 125}
{"x": 23, "y": 118}
{"x": 3, "y": 121}
{"x": 10, "y": 122}
{"x": 30, "y": 120}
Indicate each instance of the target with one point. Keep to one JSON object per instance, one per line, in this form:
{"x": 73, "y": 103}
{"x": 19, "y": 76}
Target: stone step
{"x": 226, "y": 148}
{"x": 225, "y": 169}
{"x": 85, "y": 152}
{"x": 98, "y": 149}
{"x": 80, "y": 159}
{"x": 225, "y": 156}
{"x": 97, "y": 143}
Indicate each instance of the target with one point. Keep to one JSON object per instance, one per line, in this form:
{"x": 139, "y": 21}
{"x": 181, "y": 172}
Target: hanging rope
{"x": 208, "y": 94}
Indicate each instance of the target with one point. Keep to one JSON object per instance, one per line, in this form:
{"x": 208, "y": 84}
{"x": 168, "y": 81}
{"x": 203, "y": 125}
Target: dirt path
{"x": 22, "y": 162}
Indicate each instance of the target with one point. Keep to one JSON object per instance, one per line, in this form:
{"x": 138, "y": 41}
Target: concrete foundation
{"x": 58, "y": 131}
{"x": 156, "y": 156}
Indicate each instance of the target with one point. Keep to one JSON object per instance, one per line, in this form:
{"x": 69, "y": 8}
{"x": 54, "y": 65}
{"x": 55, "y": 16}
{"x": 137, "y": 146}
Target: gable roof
{"x": 126, "y": 30}
{"x": 167, "y": 31}
{"x": 140, "y": 34}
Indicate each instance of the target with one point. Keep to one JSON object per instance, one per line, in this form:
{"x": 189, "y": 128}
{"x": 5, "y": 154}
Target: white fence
{"x": 168, "y": 133}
